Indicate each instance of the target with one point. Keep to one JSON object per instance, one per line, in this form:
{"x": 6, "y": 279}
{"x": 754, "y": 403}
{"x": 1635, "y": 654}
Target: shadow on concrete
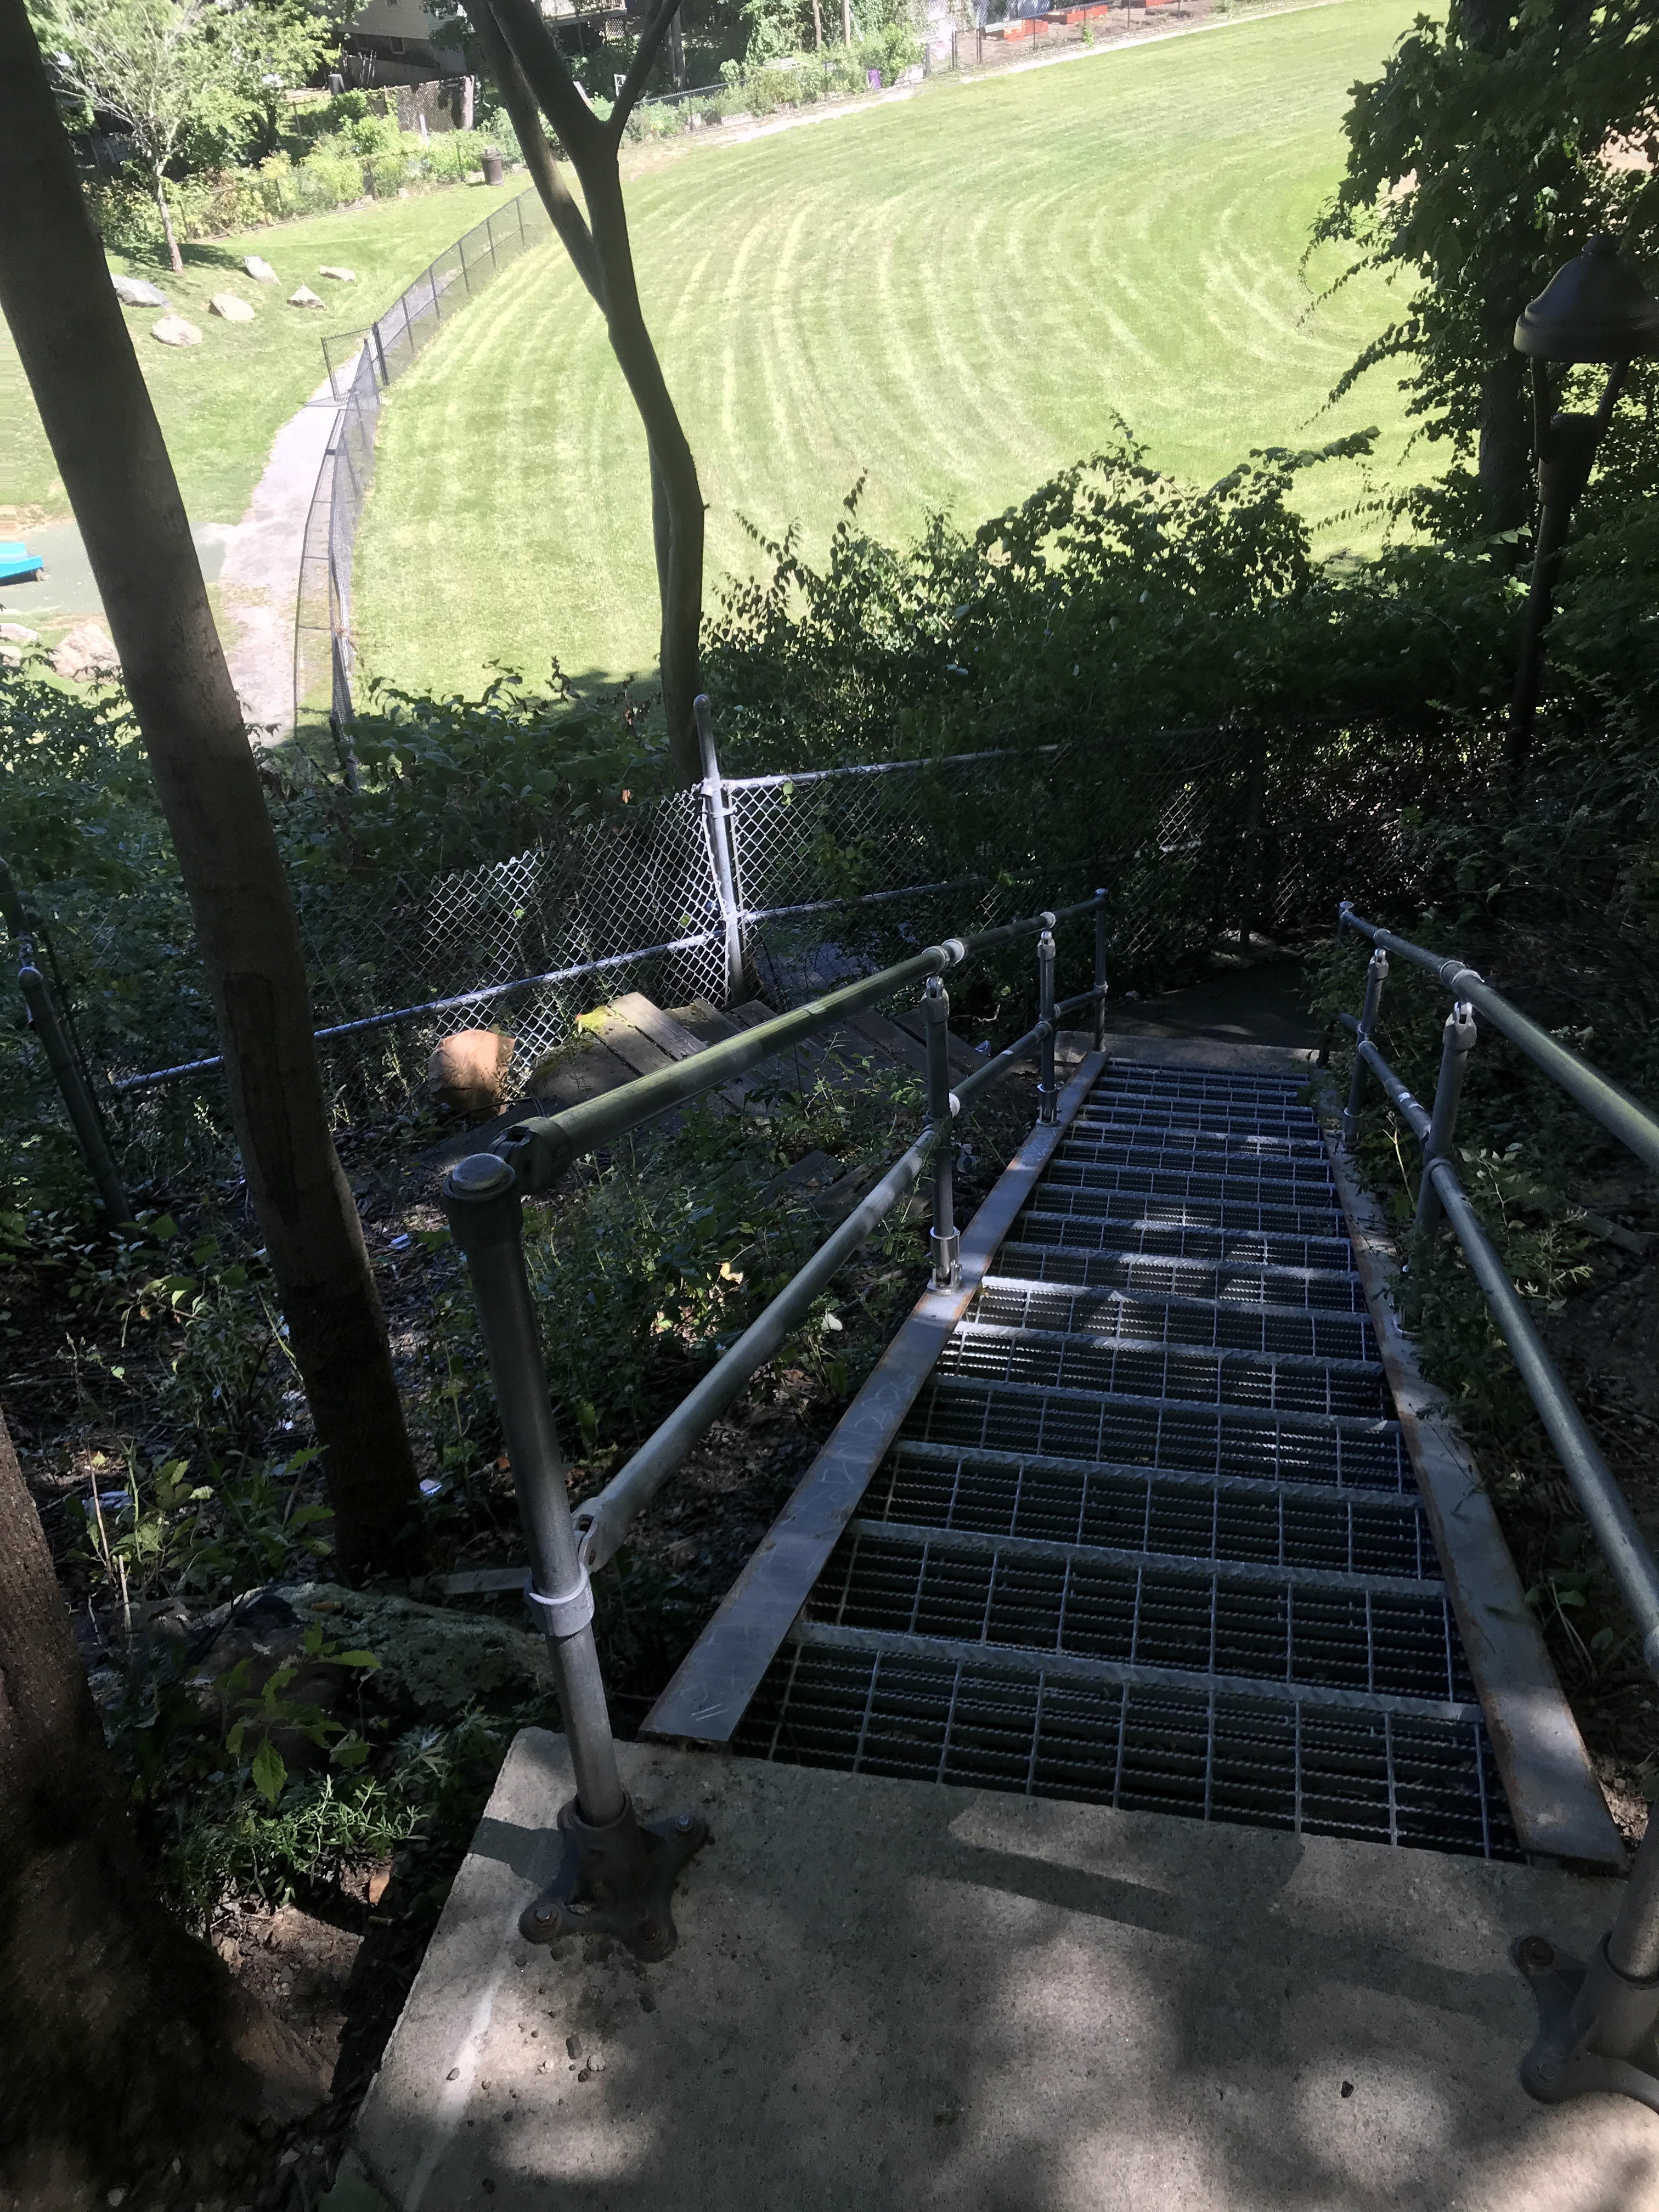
{"x": 890, "y": 1994}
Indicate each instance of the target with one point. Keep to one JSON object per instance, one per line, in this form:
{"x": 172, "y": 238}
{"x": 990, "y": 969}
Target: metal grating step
{"x": 1130, "y": 1432}
{"x": 1273, "y": 1625}
{"x": 1238, "y": 1163}
{"x": 1148, "y": 1534}
{"x": 1181, "y": 1202}
{"x": 1186, "y": 1516}
{"x": 1379, "y": 1777}
{"x": 1122, "y": 1366}
{"x": 1142, "y": 1234}
{"x": 1010, "y": 1303}
{"x": 1317, "y": 1289}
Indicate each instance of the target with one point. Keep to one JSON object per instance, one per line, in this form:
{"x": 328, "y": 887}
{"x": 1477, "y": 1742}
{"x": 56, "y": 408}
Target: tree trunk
{"x": 847, "y": 21}
{"x": 1505, "y": 459}
{"x": 817, "y": 27}
{"x": 55, "y": 291}
{"x": 676, "y": 495}
{"x": 124, "y": 2040}
{"x": 600, "y": 249}
{"x": 175, "y": 260}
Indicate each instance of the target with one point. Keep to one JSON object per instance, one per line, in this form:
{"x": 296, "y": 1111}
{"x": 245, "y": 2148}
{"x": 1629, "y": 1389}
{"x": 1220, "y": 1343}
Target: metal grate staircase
{"x": 1149, "y": 1535}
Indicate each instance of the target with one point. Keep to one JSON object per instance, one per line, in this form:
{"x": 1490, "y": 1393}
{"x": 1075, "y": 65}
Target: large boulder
{"x": 85, "y": 652}
{"x": 467, "y": 1071}
{"x": 174, "y": 331}
{"x": 16, "y": 634}
{"x": 433, "y": 1658}
{"x": 232, "y": 309}
{"x": 134, "y": 292}
{"x": 259, "y": 269}
{"x": 305, "y": 297}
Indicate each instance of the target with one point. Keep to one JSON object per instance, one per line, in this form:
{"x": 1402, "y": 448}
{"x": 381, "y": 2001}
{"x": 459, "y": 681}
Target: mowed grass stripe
{"x": 956, "y": 295}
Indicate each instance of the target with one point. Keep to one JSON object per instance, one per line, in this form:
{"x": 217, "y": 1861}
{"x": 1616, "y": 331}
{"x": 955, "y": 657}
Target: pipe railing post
{"x": 719, "y": 845}
{"x": 944, "y": 1238}
{"x": 1100, "y": 972}
{"x": 78, "y": 1101}
{"x": 1598, "y": 2029}
{"x": 1457, "y": 1043}
{"x": 623, "y": 1871}
{"x": 1377, "y": 974}
{"x": 1047, "y": 1096}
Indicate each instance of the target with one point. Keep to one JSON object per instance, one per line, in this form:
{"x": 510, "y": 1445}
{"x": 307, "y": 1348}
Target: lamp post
{"x": 1594, "y": 309}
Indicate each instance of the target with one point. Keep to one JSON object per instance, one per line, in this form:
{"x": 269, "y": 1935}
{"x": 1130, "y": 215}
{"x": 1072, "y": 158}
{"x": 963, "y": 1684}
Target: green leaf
{"x": 355, "y": 1659}
{"x": 269, "y": 1771}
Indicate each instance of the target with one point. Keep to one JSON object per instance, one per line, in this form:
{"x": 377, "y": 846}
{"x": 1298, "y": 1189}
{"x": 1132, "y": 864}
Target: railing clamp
{"x": 568, "y": 1613}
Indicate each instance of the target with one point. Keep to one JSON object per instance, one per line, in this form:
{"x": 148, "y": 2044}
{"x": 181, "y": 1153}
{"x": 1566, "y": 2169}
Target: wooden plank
{"x": 888, "y": 1038}
{"x": 587, "y": 1072}
{"x": 703, "y": 1020}
{"x": 633, "y": 1014}
{"x": 664, "y": 1032}
{"x": 1559, "y": 1808}
{"x": 712, "y": 1689}
{"x": 963, "y": 1058}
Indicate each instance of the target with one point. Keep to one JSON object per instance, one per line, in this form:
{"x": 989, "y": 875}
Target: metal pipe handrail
{"x": 1612, "y": 1523}
{"x": 1620, "y": 1115}
{"x": 602, "y": 1521}
{"x": 539, "y": 1149}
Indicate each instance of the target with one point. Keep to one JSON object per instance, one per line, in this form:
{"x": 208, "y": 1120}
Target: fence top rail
{"x": 1620, "y": 1115}
{"x": 540, "y": 1150}
{"x": 866, "y": 768}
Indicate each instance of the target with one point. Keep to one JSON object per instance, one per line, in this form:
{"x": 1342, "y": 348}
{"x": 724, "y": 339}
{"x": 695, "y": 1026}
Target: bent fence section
{"x": 322, "y": 626}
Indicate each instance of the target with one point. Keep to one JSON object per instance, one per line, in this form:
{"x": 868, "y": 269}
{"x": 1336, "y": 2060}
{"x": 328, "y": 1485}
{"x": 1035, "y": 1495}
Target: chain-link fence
{"x": 322, "y": 628}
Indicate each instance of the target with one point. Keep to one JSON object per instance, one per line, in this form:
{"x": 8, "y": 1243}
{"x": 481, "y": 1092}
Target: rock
{"x": 173, "y": 329}
{"x": 340, "y": 276}
{"x": 258, "y": 269}
{"x": 467, "y": 1070}
{"x": 134, "y": 292}
{"x": 11, "y": 656}
{"x": 232, "y": 309}
{"x": 305, "y": 297}
{"x": 84, "y": 651}
{"x": 15, "y": 634}
{"x": 431, "y": 1658}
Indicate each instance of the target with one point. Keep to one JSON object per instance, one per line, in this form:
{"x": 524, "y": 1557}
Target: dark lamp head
{"x": 1595, "y": 307}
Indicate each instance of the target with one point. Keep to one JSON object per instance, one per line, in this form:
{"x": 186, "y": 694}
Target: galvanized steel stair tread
{"x": 1150, "y": 1533}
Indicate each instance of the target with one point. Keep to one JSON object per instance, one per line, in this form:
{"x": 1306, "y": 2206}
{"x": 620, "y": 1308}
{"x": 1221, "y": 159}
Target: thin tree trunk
{"x": 55, "y": 291}
{"x": 175, "y": 260}
{"x": 847, "y": 21}
{"x": 1504, "y": 457}
{"x": 818, "y": 26}
{"x": 599, "y": 246}
{"x": 676, "y": 495}
{"x": 120, "y": 2034}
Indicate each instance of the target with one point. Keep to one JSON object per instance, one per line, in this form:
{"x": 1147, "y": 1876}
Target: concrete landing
{"x": 891, "y": 1994}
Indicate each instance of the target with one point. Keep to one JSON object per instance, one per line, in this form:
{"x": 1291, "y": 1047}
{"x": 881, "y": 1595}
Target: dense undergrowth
{"x": 169, "y": 1447}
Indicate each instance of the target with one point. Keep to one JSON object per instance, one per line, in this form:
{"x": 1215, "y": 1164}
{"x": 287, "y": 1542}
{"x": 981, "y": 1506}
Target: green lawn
{"x": 956, "y": 294}
{"x": 222, "y": 403}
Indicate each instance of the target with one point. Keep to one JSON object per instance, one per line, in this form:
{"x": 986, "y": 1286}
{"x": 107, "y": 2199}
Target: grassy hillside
{"x": 951, "y": 295}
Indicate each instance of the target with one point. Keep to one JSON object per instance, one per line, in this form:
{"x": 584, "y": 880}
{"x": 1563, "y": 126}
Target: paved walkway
{"x": 255, "y": 563}
{"x": 891, "y": 1994}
